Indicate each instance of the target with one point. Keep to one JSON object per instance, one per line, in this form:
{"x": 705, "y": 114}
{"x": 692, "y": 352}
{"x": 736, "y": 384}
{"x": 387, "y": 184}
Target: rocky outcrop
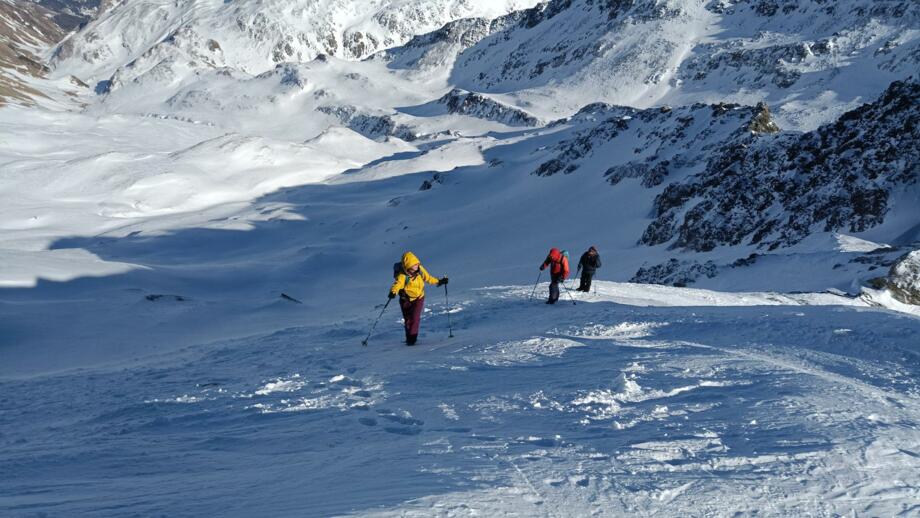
{"x": 476, "y": 105}
{"x": 440, "y": 48}
{"x": 773, "y": 191}
{"x": 558, "y": 38}
{"x": 72, "y": 14}
{"x": 372, "y": 126}
{"x": 671, "y": 140}
{"x": 904, "y": 279}
{"x": 675, "y": 272}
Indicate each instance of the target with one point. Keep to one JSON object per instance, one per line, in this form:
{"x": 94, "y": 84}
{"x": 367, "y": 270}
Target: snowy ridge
{"x": 256, "y": 37}
{"x": 427, "y": 53}
{"x": 640, "y": 53}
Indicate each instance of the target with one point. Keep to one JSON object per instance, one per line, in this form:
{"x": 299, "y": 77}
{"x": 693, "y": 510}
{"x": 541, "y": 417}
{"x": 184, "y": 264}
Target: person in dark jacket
{"x": 589, "y": 263}
{"x": 558, "y": 261}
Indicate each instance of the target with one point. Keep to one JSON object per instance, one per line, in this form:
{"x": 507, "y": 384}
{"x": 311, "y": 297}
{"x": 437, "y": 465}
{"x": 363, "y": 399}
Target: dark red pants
{"x": 412, "y": 314}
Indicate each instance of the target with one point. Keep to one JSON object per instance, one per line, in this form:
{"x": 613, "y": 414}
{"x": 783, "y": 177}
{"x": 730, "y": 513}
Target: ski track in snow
{"x": 594, "y": 409}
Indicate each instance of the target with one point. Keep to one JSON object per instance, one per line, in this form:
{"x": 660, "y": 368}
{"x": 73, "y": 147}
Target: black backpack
{"x": 398, "y": 269}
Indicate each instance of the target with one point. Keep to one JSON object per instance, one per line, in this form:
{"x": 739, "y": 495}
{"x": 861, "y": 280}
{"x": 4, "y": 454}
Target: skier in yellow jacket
{"x": 410, "y": 286}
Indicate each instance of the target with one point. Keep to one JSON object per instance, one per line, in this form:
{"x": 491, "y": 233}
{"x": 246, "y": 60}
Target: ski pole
{"x": 535, "y": 285}
{"x": 450, "y": 326}
{"x": 569, "y": 292}
{"x": 364, "y": 343}
{"x": 577, "y": 271}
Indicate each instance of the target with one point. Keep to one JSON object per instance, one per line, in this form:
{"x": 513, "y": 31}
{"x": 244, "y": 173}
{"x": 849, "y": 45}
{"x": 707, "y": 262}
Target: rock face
{"x": 560, "y": 38}
{"x": 440, "y": 48}
{"x": 71, "y": 14}
{"x": 24, "y": 27}
{"x": 372, "y": 126}
{"x": 652, "y": 145}
{"x": 904, "y": 279}
{"x": 462, "y": 102}
{"x": 675, "y": 272}
{"x": 773, "y": 191}
{"x": 835, "y": 31}
{"x": 725, "y": 175}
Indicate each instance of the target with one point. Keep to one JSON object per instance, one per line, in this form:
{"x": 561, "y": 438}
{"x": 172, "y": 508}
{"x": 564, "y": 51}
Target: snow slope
{"x": 599, "y": 408}
{"x": 187, "y": 377}
{"x": 191, "y": 254}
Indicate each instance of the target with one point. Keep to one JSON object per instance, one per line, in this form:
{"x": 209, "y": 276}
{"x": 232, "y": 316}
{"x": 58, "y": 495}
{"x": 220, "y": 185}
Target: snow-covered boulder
{"x": 904, "y": 279}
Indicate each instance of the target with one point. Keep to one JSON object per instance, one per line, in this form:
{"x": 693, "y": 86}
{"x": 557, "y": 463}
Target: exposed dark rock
{"x": 775, "y": 190}
{"x": 763, "y": 121}
{"x": 676, "y": 273}
{"x": 157, "y": 297}
{"x": 376, "y": 127}
{"x": 904, "y": 279}
{"x": 470, "y": 103}
{"x": 437, "y": 178}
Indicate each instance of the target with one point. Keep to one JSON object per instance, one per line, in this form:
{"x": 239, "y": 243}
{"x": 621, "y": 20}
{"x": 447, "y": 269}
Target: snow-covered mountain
{"x": 254, "y": 37}
{"x": 643, "y": 87}
{"x": 199, "y": 212}
{"x": 25, "y": 28}
{"x": 790, "y": 54}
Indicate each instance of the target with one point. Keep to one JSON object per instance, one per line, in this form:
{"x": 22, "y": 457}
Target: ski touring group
{"x": 410, "y": 277}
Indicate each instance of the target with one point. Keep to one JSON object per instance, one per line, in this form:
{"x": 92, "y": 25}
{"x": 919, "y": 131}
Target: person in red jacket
{"x": 558, "y": 261}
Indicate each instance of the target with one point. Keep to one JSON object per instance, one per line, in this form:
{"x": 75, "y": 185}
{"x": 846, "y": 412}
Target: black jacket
{"x": 589, "y": 263}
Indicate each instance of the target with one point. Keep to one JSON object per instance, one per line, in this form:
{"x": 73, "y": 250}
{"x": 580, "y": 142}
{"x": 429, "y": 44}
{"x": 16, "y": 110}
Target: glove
{"x": 402, "y": 294}
{"x": 542, "y": 267}
{"x": 391, "y": 295}
{"x": 442, "y": 281}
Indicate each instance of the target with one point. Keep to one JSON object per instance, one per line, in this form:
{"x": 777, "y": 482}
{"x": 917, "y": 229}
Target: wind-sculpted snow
{"x": 600, "y": 409}
{"x": 194, "y": 248}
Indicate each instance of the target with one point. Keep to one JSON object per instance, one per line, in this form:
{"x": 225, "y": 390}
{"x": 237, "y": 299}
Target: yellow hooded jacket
{"x": 414, "y": 286}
